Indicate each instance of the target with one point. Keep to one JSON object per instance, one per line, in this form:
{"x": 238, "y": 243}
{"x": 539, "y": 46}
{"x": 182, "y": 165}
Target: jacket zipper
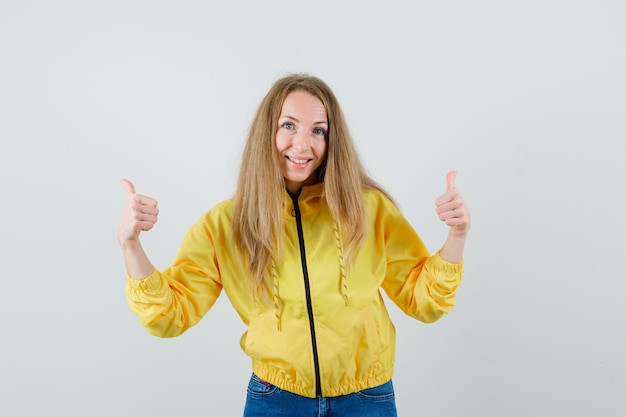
{"x": 307, "y": 289}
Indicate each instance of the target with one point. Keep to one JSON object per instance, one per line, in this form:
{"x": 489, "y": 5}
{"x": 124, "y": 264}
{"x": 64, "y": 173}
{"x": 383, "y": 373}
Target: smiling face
{"x": 301, "y": 139}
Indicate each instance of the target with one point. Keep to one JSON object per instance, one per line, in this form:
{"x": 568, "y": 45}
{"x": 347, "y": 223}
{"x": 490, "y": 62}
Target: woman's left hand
{"x": 452, "y": 210}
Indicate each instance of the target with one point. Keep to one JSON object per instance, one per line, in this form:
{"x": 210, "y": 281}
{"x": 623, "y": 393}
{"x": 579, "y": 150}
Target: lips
{"x": 298, "y": 161}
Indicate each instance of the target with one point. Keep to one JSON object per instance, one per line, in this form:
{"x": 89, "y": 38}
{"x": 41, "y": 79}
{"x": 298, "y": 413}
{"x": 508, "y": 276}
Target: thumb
{"x": 128, "y": 186}
{"x": 450, "y": 180}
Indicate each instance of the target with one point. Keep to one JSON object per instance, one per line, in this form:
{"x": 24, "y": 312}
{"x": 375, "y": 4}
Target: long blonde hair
{"x": 258, "y": 222}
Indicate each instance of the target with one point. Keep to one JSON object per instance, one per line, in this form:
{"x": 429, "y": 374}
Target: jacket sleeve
{"x": 422, "y": 286}
{"x": 168, "y": 303}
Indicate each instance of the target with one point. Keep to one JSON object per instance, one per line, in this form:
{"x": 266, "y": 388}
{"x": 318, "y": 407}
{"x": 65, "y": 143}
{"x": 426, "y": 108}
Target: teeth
{"x": 298, "y": 161}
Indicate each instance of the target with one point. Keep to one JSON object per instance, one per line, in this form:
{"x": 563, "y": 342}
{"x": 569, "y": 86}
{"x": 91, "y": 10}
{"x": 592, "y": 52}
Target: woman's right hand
{"x": 140, "y": 214}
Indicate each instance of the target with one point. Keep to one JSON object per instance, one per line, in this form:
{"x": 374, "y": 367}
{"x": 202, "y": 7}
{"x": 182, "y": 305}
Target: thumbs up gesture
{"x": 451, "y": 208}
{"x": 140, "y": 214}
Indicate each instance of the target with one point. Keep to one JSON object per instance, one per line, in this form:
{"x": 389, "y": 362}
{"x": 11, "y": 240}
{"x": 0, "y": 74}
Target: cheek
{"x": 321, "y": 149}
{"x": 280, "y": 143}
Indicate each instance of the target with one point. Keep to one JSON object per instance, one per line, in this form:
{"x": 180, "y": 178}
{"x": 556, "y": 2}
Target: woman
{"x": 301, "y": 251}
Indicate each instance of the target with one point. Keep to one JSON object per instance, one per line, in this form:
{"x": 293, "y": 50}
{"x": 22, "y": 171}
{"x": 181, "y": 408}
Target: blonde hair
{"x": 258, "y": 221}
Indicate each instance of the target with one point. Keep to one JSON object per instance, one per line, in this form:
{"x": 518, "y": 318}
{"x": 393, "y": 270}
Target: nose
{"x": 301, "y": 140}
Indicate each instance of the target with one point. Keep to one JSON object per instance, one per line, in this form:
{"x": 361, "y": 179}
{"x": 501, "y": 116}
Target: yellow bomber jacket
{"x": 329, "y": 333}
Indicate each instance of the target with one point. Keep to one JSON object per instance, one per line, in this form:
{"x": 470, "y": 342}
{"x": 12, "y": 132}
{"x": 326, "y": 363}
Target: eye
{"x": 288, "y": 126}
{"x": 319, "y": 132}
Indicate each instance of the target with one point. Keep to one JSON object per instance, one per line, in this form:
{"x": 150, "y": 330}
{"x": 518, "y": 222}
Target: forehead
{"x": 305, "y": 106}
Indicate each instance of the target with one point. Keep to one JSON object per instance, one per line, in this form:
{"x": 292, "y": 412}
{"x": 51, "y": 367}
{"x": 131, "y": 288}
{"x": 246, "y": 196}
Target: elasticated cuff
{"x": 152, "y": 282}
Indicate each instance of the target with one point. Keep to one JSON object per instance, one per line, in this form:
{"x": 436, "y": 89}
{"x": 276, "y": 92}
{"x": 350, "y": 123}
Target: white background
{"x": 525, "y": 99}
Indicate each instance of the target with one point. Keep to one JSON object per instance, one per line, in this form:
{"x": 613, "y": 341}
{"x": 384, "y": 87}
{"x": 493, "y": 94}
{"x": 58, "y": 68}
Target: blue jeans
{"x": 267, "y": 400}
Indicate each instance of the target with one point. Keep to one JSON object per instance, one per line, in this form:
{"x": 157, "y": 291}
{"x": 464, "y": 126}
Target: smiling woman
{"x": 301, "y": 139}
{"x": 302, "y": 251}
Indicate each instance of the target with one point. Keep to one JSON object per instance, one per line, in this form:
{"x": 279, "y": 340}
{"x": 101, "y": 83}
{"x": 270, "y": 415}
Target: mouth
{"x": 298, "y": 161}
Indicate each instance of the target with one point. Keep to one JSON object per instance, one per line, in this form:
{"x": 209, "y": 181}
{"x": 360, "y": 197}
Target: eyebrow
{"x": 296, "y": 120}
